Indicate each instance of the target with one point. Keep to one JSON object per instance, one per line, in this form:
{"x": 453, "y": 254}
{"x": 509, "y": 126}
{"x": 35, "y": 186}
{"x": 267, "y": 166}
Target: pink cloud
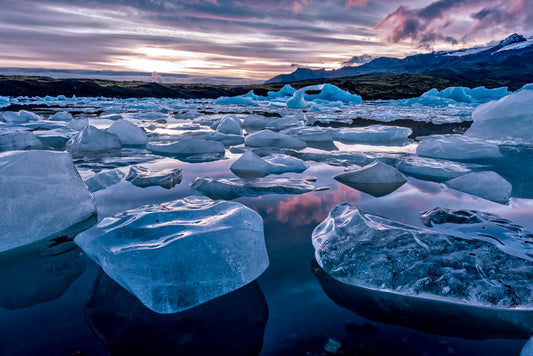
{"x": 359, "y": 3}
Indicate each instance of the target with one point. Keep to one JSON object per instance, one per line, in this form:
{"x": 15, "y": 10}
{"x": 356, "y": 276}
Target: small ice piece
{"x": 373, "y": 134}
{"x": 470, "y": 224}
{"x": 128, "y": 133}
{"x": 91, "y": 139}
{"x": 432, "y": 169}
{"x": 268, "y": 138}
{"x": 229, "y": 125}
{"x": 297, "y": 101}
{"x": 377, "y": 253}
{"x": 235, "y": 187}
{"x": 145, "y": 177}
{"x": 78, "y": 124}
{"x": 234, "y": 100}
{"x": 18, "y": 140}
{"x": 508, "y": 120}
{"x": 179, "y": 254}
{"x": 188, "y": 147}
{"x": 487, "y": 185}
{"x": 42, "y": 194}
{"x": 61, "y": 116}
{"x": 21, "y": 116}
{"x": 457, "y": 147}
{"x": 103, "y": 180}
{"x": 377, "y": 179}
{"x": 250, "y": 165}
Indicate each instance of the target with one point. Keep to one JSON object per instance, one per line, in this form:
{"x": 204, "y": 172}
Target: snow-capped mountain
{"x": 511, "y": 59}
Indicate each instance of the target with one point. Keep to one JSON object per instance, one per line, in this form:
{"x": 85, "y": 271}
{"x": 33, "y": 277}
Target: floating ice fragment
{"x": 91, "y": 139}
{"x": 487, "y": 185}
{"x": 297, "y": 101}
{"x": 373, "y": 134}
{"x": 250, "y": 165}
{"x": 179, "y": 254}
{"x": 433, "y": 169}
{"x": 268, "y": 138}
{"x": 377, "y": 179}
{"x": 18, "y": 140}
{"x": 103, "y": 180}
{"x": 21, "y": 116}
{"x": 78, "y": 124}
{"x": 456, "y": 147}
{"x": 286, "y": 91}
{"x": 189, "y": 147}
{"x": 373, "y": 252}
{"x": 329, "y": 92}
{"x": 234, "y": 100}
{"x": 234, "y": 187}
{"x": 229, "y": 125}
{"x": 55, "y": 138}
{"x": 527, "y": 350}
{"x": 145, "y": 177}
{"x": 508, "y": 120}
{"x": 128, "y": 133}
{"x": 42, "y": 195}
{"x": 61, "y": 116}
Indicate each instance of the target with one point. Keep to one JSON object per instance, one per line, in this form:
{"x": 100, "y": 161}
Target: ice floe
{"x": 20, "y": 117}
{"x": 433, "y": 169}
{"x": 146, "y": 177}
{"x": 190, "y": 148}
{"x": 250, "y": 165}
{"x": 179, "y": 254}
{"x": 372, "y": 134}
{"x": 457, "y": 147}
{"x": 105, "y": 179}
{"x": 18, "y": 140}
{"x": 268, "y": 138}
{"x": 128, "y": 133}
{"x": 91, "y": 139}
{"x": 61, "y": 116}
{"x": 487, "y": 185}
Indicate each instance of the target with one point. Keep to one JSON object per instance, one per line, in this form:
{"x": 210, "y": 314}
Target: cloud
{"x": 360, "y": 3}
{"x": 446, "y": 20}
{"x": 358, "y": 60}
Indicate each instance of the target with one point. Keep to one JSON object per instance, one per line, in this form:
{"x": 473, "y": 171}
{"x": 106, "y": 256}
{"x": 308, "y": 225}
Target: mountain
{"x": 511, "y": 59}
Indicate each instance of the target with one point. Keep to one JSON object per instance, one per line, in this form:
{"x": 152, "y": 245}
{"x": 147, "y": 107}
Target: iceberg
{"x": 18, "y": 140}
{"x": 144, "y": 177}
{"x": 103, "y": 180}
{"x": 61, "y": 116}
{"x": 42, "y": 195}
{"x": 373, "y": 252}
{"x": 189, "y": 147}
{"x": 372, "y": 134}
{"x": 20, "y": 117}
{"x": 286, "y": 91}
{"x": 128, "y": 133}
{"x": 268, "y": 138}
{"x": 329, "y": 92}
{"x": 232, "y": 188}
{"x": 55, "y": 138}
{"x": 457, "y": 147}
{"x": 433, "y": 169}
{"x": 250, "y": 165}
{"x": 78, "y": 124}
{"x": 455, "y": 95}
{"x": 297, "y": 101}
{"x": 508, "y": 120}
{"x": 179, "y": 254}
{"x": 487, "y": 185}
{"x": 377, "y": 179}
{"x": 91, "y": 139}
{"x": 234, "y": 100}
{"x": 229, "y": 125}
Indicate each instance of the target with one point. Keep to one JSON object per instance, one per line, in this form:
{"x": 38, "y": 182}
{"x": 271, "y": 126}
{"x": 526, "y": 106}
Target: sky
{"x": 244, "y": 38}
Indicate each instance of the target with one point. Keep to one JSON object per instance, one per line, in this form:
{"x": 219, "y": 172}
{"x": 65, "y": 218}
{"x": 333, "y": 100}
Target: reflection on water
{"x": 232, "y": 324}
{"x": 432, "y": 316}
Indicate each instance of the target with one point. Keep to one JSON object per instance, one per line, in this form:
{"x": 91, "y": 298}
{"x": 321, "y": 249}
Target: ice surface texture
{"x": 18, "y": 140}
{"x": 179, "y": 254}
{"x": 507, "y": 120}
{"x": 374, "y": 252}
{"x": 128, "y": 133}
{"x": 457, "y": 147}
{"x": 91, "y": 139}
{"x": 145, "y": 177}
{"x": 103, "y": 180}
{"x": 42, "y": 194}
{"x": 488, "y": 185}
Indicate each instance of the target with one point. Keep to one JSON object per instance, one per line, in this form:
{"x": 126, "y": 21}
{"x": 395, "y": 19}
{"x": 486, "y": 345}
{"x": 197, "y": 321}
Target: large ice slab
{"x": 268, "y": 138}
{"x": 374, "y": 252}
{"x": 487, "y": 184}
{"x": 18, "y": 140}
{"x": 250, "y": 165}
{"x": 179, "y": 254}
{"x": 42, "y": 194}
{"x": 102, "y": 180}
{"x": 377, "y": 179}
{"x": 231, "y": 188}
{"x": 128, "y": 133}
{"x": 457, "y": 147}
{"x": 508, "y": 120}
{"x": 433, "y": 169}
{"x": 91, "y": 139}
{"x": 373, "y": 134}
{"x": 145, "y": 177}
{"x": 190, "y": 147}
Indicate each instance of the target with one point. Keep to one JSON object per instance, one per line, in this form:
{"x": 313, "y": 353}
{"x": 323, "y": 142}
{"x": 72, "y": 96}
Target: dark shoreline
{"x": 370, "y": 87}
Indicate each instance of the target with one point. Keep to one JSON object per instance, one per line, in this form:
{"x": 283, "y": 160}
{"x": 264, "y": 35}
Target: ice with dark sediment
{"x": 189, "y": 148}
{"x": 179, "y": 254}
{"x": 373, "y": 252}
{"x": 268, "y": 138}
{"x": 231, "y": 188}
{"x": 373, "y": 134}
{"x": 91, "y": 139}
{"x": 17, "y": 140}
{"x": 42, "y": 194}
{"x": 145, "y": 177}
{"x": 128, "y": 133}
{"x": 377, "y": 179}
{"x": 457, "y": 147}
{"x": 434, "y": 169}
{"x": 486, "y": 184}
{"x": 105, "y": 179}
{"x": 250, "y": 165}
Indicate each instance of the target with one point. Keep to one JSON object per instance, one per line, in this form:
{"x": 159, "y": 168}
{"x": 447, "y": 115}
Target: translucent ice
{"x": 381, "y": 254}
{"x": 55, "y": 138}
{"x": 297, "y": 101}
{"x": 103, "y": 180}
{"x": 61, "y": 116}
{"x": 128, "y": 133}
{"x": 18, "y": 140}
{"x": 267, "y": 138}
{"x": 91, "y": 139}
{"x": 146, "y": 177}
{"x": 507, "y": 120}
{"x": 42, "y": 194}
{"x": 377, "y": 179}
{"x": 432, "y": 169}
{"x": 330, "y": 92}
{"x": 234, "y": 100}
{"x": 189, "y": 147}
{"x": 179, "y": 254}
{"x": 488, "y": 185}
{"x": 21, "y": 116}
{"x": 373, "y": 134}
{"x": 234, "y": 187}
{"x": 456, "y": 147}
{"x": 250, "y": 165}
{"x": 78, "y": 124}
{"x": 229, "y": 125}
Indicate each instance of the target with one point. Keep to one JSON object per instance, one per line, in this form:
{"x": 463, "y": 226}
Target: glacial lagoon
{"x": 274, "y": 159}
